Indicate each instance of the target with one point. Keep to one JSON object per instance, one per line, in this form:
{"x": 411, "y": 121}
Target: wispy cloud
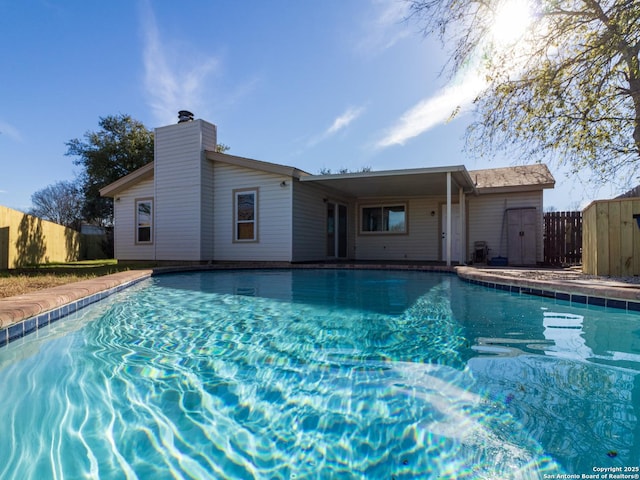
{"x": 385, "y": 27}
{"x": 10, "y": 131}
{"x": 174, "y": 79}
{"x": 470, "y": 82}
{"x": 340, "y": 123}
{"x": 344, "y": 120}
{"x": 434, "y": 110}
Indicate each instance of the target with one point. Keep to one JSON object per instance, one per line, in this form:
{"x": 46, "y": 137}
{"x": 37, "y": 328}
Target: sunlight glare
{"x": 512, "y": 19}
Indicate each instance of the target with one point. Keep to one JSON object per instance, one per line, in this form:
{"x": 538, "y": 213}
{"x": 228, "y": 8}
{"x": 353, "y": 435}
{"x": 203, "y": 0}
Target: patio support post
{"x": 461, "y": 229}
{"x": 447, "y": 231}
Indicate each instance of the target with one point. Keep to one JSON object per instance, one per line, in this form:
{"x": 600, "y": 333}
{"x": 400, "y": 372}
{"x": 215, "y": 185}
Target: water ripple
{"x": 177, "y": 383}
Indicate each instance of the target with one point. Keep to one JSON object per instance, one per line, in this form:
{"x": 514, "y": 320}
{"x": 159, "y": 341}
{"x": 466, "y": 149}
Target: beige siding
{"x": 207, "y": 219}
{"x": 310, "y": 222}
{"x": 207, "y": 211}
{"x": 124, "y": 207}
{"x": 422, "y": 241}
{"x": 274, "y": 214}
{"x": 486, "y": 220}
{"x": 183, "y": 199}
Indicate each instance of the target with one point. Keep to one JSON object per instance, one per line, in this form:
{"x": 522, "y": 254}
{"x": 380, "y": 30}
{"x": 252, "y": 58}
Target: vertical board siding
{"x": 29, "y": 240}
{"x": 486, "y": 220}
{"x": 563, "y": 238}
{"x": 589, "y": 256}
{"x": 124, "y": 209}
{"x": 611, "y": 238}
{"x": 274, "y": 214}
{"x": 421, "y": 242}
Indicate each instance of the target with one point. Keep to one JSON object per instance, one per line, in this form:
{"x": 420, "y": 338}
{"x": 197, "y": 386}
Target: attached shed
{"x": 611, "y": 237}
{"x": 507, "y": 214}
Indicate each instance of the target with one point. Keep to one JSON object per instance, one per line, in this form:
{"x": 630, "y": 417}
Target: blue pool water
{"x": 322, "y": 374}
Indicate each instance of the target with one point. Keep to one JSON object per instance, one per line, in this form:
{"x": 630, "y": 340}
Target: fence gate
{"x": 563, "y": 238}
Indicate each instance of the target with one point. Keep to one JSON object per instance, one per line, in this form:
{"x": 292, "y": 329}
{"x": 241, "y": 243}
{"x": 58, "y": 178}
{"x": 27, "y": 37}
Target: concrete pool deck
{"x": 23, "y": 314}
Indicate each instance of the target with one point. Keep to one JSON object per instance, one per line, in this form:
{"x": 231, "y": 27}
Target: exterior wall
{"x": 611, "y": 238}
{"x": 183, "y": 199}
{"x": 124, "y": 209}
{"x": 421, "y": 242}
{"x": 486, "y": 220}
{"x": 207, "y": 212}
{"x": 274, "y": 214}
{"x": 28, "y": 240}
{"x": 310, "y": 222}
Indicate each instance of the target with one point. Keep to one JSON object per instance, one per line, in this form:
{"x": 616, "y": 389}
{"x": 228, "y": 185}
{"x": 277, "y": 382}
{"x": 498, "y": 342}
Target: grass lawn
{"x": 29, "y": 279}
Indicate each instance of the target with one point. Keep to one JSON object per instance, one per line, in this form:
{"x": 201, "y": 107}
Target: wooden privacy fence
{"x": 612, "y": 237}
{"x": 562, "y": 238}
{"x": 28, "y": 240}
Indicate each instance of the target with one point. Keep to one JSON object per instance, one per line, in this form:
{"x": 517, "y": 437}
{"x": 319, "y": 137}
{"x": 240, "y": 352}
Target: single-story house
{"x": 194, "y": 204}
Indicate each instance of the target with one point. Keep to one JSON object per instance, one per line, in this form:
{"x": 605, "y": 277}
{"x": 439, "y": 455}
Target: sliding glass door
{"x": 336, "y": 230}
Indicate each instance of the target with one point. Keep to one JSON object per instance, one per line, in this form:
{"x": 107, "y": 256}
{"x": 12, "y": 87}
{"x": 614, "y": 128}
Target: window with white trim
{"x": 144, "y": 221}
{"x": 383, "y": 219}
{"x": 245, "y": 215}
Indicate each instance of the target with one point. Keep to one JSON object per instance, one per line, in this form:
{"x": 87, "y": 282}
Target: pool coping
{"x": 24, "y": 314}
{"x": 589, "y": 291}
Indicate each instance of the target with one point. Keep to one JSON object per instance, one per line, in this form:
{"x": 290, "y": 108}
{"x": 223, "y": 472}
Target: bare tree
{"x": 60, "y": 203}
{"x": 566, "y": 88}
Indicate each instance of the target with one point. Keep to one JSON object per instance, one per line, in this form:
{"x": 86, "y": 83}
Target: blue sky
{"x": 312, "y": 84}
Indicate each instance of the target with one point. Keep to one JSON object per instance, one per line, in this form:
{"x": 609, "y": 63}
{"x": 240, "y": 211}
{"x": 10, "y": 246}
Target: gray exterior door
{"x": 521, "y": 236}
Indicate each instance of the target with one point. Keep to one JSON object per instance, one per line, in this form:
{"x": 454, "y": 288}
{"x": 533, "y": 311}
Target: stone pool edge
{"x": 586, "y": 292}
{"x": 24, "y": 314}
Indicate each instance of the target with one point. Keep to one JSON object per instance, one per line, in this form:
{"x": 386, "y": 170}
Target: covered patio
{"x": 452, "y": 183}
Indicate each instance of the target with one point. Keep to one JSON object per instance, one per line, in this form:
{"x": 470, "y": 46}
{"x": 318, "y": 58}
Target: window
{"x": 144, "y": 221}
{"x": 245, "y": 215}
{"x": 383, "y": 219}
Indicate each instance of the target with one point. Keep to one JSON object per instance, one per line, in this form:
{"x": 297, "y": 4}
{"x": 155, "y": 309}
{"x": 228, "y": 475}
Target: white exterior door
{"x": 456, "y": 234}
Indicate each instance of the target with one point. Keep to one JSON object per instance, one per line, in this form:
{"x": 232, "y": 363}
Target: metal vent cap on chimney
{"x": 185, "y": 116}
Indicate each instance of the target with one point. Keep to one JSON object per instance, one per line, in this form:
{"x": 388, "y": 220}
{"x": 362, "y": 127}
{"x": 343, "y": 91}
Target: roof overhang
{"x": 515, "y": 188}
{"x": 143, "y": 173}
{"x": 397, "y": 183}
{"x": 255, "y": 164}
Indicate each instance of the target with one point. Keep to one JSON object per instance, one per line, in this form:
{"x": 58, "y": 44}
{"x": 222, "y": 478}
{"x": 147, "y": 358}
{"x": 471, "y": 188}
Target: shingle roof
{"x": 519, "y": 177}
{"x": 634, "y": 192}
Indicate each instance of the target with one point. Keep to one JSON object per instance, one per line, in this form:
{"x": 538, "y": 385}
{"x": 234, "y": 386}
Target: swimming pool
{"x": 322, "y": 374}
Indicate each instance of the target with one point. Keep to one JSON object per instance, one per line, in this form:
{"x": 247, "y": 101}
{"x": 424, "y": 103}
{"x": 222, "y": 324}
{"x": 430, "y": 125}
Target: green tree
{"x": 60, "y": 203}
{"x": 121, "y": 146}
{"x": 566, "y": 90}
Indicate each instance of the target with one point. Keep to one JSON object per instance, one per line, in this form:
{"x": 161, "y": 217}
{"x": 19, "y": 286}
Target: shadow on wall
{"x": 30, "y": 245}
{"x": 4, "y": 248}
{"x": 72, "y": 242}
